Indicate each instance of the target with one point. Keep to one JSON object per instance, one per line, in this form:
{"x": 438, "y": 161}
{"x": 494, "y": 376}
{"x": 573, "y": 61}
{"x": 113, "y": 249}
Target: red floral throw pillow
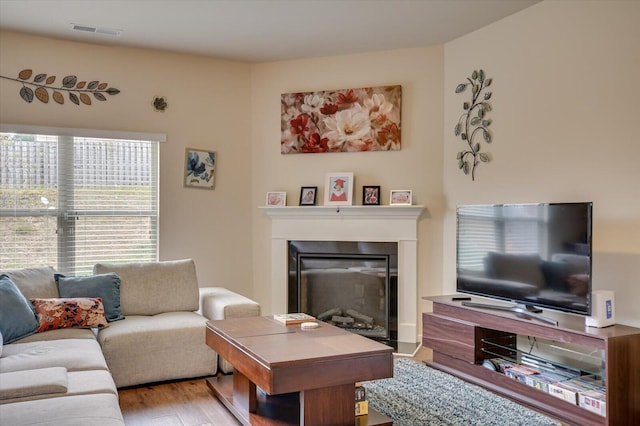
{"x": 69, "y": 312}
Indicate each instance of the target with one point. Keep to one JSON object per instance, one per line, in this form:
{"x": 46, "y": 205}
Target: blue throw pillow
{"x": 106, "y": 286}
{"x": 17, "y": 319}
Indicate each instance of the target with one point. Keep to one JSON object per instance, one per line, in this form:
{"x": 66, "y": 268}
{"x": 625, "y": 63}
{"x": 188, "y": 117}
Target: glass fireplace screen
{"x": 354, "y": 291}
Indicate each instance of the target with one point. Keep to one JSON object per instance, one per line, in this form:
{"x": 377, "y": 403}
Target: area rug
{"x": 420, "y": 395}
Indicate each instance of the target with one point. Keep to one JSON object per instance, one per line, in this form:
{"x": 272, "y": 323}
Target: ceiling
{"x": 258, "y": 30}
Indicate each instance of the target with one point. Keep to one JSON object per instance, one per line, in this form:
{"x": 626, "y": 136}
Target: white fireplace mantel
{"x": 350, "y": 223}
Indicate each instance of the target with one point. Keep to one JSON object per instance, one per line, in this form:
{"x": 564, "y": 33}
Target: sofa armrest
{"x": 217, "y": 303}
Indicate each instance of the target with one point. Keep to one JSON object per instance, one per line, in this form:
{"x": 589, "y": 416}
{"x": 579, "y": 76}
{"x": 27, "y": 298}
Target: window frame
{"x": 65, "y": 213}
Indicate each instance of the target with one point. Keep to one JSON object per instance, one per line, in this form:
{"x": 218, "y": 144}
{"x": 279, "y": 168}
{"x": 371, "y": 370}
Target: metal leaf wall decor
{"x": 473, "y": 124}
{"x": 38, "y": 86}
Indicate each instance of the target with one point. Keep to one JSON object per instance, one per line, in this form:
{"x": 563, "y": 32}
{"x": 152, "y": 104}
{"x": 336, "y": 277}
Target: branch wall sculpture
{"x": 473, "y": 123}
{"x": 78, "y": 91}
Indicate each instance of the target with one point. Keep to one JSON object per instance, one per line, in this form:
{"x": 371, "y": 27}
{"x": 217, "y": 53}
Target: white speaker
{"x": 602, "y": 309}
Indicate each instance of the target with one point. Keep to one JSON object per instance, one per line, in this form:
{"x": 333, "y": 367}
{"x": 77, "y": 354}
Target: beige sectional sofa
{"x": 70, "y": 376}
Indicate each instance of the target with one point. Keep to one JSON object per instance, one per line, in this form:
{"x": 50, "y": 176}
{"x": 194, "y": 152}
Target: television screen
{"x": 534, "y": 254}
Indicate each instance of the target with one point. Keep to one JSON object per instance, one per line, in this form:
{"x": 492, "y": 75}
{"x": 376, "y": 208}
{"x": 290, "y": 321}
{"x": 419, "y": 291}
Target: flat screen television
{"x": 536, "y": 255}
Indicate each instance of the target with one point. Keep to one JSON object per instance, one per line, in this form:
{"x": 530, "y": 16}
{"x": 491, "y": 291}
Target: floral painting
{"x": 199, "y": 169}
{"x": 348, "y": 120}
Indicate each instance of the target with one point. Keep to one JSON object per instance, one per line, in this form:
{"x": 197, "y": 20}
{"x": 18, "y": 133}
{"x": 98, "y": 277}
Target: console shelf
{"x": 459, "y": 337}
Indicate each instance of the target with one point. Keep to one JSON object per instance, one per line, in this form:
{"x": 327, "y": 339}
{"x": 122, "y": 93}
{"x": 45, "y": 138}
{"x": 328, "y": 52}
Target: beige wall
{"x": 564, "y": 123}
{"x": 565, "y": 97}
{"x": 417, "y": 166}
{"x": 209, "y": 107}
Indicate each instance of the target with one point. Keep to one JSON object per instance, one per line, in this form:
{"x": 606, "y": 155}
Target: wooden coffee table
{"x": 284, "y": 375}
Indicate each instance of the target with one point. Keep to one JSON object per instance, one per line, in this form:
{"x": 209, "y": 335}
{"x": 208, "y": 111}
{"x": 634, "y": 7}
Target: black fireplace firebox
{"x": 352, "y": 285}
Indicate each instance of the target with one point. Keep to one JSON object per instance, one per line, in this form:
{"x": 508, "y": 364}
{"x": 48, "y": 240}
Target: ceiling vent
{"x": 96, "y": 30}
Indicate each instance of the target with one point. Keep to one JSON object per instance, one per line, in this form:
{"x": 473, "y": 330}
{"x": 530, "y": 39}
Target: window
{"x": 70, "y": 201}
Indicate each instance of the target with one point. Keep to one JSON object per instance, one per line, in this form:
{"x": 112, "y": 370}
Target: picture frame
{"x": 310, "y": 122}
{"x": 199, "y": 168}
{"x": 276, "y": 199}
{"x": 400, "y": 197}
{"x": 370, "y": 195}
{"x": 308, "y": 195}
{"x": 338, "y": 190}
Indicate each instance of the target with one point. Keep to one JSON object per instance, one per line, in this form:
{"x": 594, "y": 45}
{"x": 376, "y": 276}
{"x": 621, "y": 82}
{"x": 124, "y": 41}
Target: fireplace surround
{"x": 397, "y": 224}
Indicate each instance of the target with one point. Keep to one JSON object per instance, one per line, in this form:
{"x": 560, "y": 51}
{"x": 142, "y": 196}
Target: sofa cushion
{"x": 91, "y": 381}
{"x": 29, "y": 383}
{"x": 78, "y": 383}
{"x": 72, "y": 354}
{"x": 78, "y": 410}
{"x": 144, "y": 349}
{"x": 155, "y": 287}
{"x": 69, "y": 313}
{"x": 105, "y": 286}
{"x": 61, "y": 333}
{"x": 17, "y": 318}
{"x": 34, "y": 282}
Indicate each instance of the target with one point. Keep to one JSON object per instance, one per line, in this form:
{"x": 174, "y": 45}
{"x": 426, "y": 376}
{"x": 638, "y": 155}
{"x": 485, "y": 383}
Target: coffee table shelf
{"x": 284, "y": 375}
{"x": 278, "y": 410}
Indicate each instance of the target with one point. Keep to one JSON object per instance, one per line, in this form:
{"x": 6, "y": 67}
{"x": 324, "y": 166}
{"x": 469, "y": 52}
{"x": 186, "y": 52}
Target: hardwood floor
{"x": 184, "y": 403}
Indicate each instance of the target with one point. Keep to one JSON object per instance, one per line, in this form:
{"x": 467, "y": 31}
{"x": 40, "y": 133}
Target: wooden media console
{"x": 459, "y": 337}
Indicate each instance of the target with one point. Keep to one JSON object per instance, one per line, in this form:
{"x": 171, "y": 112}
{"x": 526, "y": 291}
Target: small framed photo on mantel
{"x": 338, "y": 190}
{"x": 276, "y": 199}
{"x": 400, "y": 197}
{"x": 308, "y": 195}
{"x": 370, "y": 195}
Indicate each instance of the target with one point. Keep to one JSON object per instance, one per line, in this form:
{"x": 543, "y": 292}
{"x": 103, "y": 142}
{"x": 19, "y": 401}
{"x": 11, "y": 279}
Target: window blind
{"x": 70, "y": 201}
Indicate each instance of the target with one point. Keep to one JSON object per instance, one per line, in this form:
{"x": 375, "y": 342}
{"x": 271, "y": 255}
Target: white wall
{"x": 565, "y": 113}
{"x": 208, "y": 108}
{"x": 417, "y": 166}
